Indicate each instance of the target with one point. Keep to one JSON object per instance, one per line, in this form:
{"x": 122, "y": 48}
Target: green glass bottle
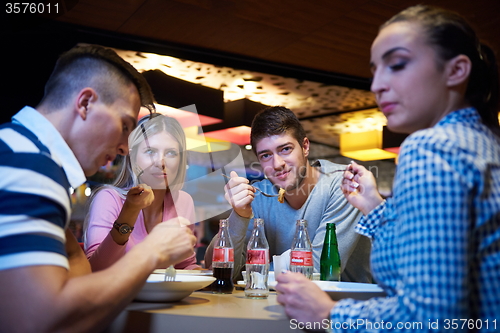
{"x": 330, "y": 258}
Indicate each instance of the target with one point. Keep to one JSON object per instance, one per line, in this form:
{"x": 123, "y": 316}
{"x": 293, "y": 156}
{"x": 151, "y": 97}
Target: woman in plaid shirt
{"x": 436, "y": 242}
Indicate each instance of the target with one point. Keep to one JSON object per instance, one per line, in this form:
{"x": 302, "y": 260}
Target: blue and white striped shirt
{"x": 436, "y": 242}
{"x": 35, "y": 165}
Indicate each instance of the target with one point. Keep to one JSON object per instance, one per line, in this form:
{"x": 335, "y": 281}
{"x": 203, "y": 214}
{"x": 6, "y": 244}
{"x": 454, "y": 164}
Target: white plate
{"x": 361, "y": 291}
{"x": 199, "y": 272}
{"x": 157, "y": 290}
{"x": 340, "y": 290}
{"x": 271, "y": 279}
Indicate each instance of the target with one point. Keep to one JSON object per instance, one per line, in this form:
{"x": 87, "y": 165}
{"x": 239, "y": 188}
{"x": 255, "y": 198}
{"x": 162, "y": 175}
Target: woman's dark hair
{"x": 276, "y": 120}
{"x": 451, "y": 35}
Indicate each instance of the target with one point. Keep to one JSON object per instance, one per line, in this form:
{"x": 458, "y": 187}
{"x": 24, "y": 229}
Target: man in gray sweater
{"x": 280, "y": 143}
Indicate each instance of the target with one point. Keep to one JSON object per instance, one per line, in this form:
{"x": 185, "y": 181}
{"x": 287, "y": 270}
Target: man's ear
{"x": 305, "y": 146}
{"x": 458, "y": 70}
{"x": 83, "y": 99}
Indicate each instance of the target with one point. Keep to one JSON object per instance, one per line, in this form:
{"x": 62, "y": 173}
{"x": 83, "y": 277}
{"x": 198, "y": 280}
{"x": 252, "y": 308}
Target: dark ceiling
{"x": 327, "y": 35}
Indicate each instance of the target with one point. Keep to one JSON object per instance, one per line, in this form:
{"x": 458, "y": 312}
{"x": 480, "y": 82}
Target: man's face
{"x": 283, "y": 159}
{"x": 104, "y": 133}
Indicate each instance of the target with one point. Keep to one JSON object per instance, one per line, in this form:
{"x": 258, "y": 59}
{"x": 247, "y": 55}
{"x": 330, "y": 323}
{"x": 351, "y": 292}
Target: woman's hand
{"x": 360, "y": 188}
{"x": 303, "y": 299}
{"x": 139, "y": 197}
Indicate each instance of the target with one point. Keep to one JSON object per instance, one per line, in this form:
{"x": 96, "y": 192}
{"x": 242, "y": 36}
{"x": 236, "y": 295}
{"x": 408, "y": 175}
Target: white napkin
{"x": 281, "y": 262}
{"x": 258, "y": 280}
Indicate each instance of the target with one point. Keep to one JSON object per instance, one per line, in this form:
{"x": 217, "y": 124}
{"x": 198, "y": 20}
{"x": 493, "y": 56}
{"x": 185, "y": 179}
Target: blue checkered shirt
{"x": 436, "y": 242}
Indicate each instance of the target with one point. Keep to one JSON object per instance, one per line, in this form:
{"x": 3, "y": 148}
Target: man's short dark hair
{"x": 276, "y": 120}
{"x": 98, "y": 68}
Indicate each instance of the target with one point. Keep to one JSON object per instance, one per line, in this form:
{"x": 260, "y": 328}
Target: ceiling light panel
{"x": 305, "y": 98}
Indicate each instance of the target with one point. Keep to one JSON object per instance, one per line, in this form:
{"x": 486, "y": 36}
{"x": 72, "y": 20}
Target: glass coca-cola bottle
{"x": 223, "y": 261}
{"x": 301, "y": 258}
{"x": 257, "y": 263}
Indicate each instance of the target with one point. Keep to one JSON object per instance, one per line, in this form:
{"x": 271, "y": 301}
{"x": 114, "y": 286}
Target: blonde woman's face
{"x": 159, "y": 159}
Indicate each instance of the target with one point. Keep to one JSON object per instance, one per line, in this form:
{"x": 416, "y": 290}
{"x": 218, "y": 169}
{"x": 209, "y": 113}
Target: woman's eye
{"x": 398, "y": 66}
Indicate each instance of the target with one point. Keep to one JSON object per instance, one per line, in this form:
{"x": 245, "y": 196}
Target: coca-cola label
{"x": 258, "y": 257}
{"x": 301, "y": 258}
{"x": 223, "y": 255}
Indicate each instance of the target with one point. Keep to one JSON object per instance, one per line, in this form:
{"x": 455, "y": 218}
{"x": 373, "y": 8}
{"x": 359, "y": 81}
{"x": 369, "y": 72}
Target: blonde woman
{"x": 146, "y": 192}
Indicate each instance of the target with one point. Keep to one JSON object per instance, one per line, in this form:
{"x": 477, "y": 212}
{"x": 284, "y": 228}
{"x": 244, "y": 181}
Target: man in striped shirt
{"x": 91, "y": 104}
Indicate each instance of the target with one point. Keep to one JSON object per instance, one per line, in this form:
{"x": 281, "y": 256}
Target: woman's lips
{"x": 387, "y": 107}
{"x": 159, "y": 175}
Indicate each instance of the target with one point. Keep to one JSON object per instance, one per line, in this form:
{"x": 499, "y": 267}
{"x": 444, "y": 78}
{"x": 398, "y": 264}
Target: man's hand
{"x": 240, "y": 194}
{"x": 171, "y": 241}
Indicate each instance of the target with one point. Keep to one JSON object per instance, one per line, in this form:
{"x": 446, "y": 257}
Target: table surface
{"x": 203, "y": 311}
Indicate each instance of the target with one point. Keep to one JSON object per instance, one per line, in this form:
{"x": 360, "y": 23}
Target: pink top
{"x": 101, "y": 249}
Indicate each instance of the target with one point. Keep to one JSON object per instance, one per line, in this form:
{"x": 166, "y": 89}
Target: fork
{"x": 170, "y": 273}
{"x": 258, "y": 189}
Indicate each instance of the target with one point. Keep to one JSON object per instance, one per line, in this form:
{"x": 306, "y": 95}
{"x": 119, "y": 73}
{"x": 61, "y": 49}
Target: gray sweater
{"x": 325, "y": 204}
